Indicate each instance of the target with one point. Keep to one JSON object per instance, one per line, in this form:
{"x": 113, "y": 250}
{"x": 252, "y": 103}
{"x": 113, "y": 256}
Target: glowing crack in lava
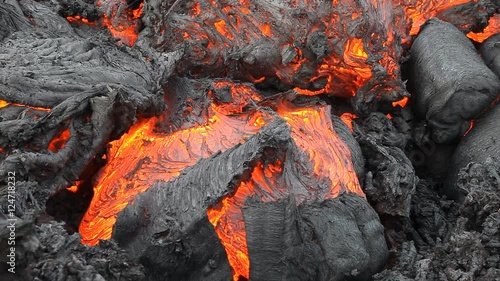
{"x": 141, "y": 157}
{"x": 121, "y": 23}
{"x": 124, "y": 25}
{"x": 492, "y": 28}
{"x": 327, "y": 165}
{"x": 421, "y": 10}
{"x": 336, "y": 47}
{"x": 315, "y": 46}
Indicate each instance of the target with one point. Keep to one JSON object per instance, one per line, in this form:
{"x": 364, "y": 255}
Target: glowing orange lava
{"x": 348, "y": 117}
{"x": 401, "y": 102}
{"x": 74, "y": 188}
{"x": 123, "y": 26}
{"x": 3, "y": 103}
{"x": 78, "y": 19}
{"x": 329, "y": 166}
{"x": 470, "y": 128}
{"x": 492, "y": 28}
{"x": 423, "y": 10}
{"x": 59, "y": 141}
{"x": 141, "y": 157}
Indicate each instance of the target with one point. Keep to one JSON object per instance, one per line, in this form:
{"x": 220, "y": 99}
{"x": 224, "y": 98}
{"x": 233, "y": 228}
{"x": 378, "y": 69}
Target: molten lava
{"x": 123, "y": 24}
{"x": 78, "y": 19}
{"x": 141, "y": 157}
{"x": 492, "y": 28}
{"x": 59, "y": 141}
{"x": 348, "y": 117}
{"x": 321, "y": 44}
{"x": 401, "y": 103}
{"x": 334, "y": 47}
{"x": 421, "y": 10}
{"x": 329, "y": 173}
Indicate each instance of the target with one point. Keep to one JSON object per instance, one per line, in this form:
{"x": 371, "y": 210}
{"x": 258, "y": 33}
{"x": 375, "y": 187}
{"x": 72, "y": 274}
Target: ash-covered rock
{"x": 481, "y": 183}
{"x": 48, "y": 252}
{"x": 466, "y": 247}
{"x": 390, "y": 179}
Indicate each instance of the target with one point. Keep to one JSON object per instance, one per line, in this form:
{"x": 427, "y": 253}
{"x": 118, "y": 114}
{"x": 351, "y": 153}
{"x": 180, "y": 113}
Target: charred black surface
{"x": 451, "y": 83}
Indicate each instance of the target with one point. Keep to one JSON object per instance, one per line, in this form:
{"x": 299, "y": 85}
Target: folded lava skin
{"x": 490, "y": 51}
{"x": 166, "y": 227}
{"x": 451, "y": 82}
{"x": 481, "y": 143}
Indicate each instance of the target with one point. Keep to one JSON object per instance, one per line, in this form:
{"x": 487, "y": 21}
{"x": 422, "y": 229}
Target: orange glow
{"x": 329, "y": 165}
{"x": 5, "y": 103}
{"x": 266, "y": 29}
{"x": 77, "y": 19}
{"x": 492, "y": 28}
{"x": 313, "y": 133}
{"x": 74, "y": 188}
{"x": 141, "y": 157}
{"x": 355, "y": 48}
{"x": 221, "y": 27}
{"x": 470, "y": 128}
{"x": 348, "y": 117}
{"x": 346, "y": 43}
{"x": 137, "y": 13}
{"x": 196, "y": 9}
{"x": 127, "y": 34}
{"x": 401, "y": 102}
{"x": 59, "y": 141}
{"x": 125, "y": 26}
{"x": 423, "y": 10}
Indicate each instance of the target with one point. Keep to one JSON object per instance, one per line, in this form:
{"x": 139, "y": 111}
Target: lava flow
{"x": 327, "y": 165}
{"x": 141, "y": 157}
{"x": 316, "y": 46}
{"x": 122, "y": 23}
{"x": 492, "y": 28}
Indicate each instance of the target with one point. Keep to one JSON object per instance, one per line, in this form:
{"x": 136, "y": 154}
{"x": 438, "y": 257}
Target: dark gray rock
{"x": 452, "y": 85}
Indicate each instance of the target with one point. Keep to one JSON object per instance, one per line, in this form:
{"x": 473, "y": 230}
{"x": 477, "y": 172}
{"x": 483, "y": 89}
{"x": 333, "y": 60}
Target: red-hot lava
{"x": 421, "y": 10}
{"x": 122, "y": 23}
{"x": 346, "y": 60}
{"x": 348, "y": 117}
{"x": 492, "y": 28}
{"x": 328, "y": 163}
{"x": 141, "y": 157}
{"x": 59, "y": 141}
{"x": 320, "y": 42}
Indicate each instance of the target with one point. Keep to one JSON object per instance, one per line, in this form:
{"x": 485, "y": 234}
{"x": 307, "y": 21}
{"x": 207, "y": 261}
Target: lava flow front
{"x": 141, "y": 157}
{"x": 313, "y": 47}
{"x": 327, "y": 162}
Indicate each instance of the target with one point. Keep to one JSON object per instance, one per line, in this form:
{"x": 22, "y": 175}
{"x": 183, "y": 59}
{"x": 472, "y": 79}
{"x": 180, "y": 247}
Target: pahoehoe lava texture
{"x": 451, "y": 82}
